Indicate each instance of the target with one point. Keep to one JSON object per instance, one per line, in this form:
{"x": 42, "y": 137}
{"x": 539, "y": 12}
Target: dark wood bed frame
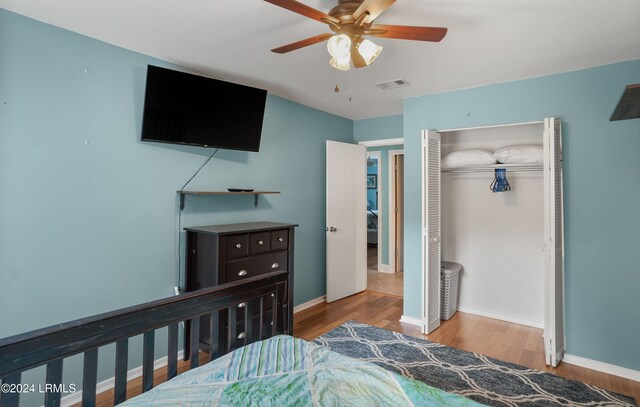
{"x": 49, "y": 346}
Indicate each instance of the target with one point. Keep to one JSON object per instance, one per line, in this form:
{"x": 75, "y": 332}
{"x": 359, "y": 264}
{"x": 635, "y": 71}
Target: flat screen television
{"x": 182, "y": 108}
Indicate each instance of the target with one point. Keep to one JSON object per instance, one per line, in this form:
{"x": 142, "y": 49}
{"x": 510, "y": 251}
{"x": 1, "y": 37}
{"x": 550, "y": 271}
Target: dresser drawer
{"x": 256, "y": 265}
{"x": 280, "y": 239}
{"x": 237, "y": 245}
{"x": 259, "y": 242}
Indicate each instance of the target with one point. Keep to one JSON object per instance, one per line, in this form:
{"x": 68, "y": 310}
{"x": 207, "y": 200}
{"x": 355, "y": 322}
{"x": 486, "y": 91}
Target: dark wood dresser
{"x": 219, "y": 254}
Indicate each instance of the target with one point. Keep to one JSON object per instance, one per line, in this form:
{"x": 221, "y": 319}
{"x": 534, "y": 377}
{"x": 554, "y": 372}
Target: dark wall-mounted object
{"x": 629, "y": 105}
{"x": 182, "y": 108}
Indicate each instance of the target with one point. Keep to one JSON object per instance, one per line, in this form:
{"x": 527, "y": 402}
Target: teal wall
{"x": 88, "y": 213}
{"x": 378, "y": 128}
{"x": 601, "y": 195}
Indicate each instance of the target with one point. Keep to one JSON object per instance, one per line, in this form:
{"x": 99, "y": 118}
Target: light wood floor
{"x": 498, "y": 339}
{"x": 388, "y": 283}
{"x": 502, "y": 340}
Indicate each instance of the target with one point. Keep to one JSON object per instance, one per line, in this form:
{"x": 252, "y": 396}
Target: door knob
{"x": 332, "y": 229}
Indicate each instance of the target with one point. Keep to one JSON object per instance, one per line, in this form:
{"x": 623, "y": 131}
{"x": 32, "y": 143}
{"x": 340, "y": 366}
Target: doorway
{"x": 385, "y": 218}
{"x": 510, "y": 245}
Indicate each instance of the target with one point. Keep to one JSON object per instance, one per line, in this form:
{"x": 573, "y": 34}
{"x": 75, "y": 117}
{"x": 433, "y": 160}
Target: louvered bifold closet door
{"x": 431, "y": 229}
{"x": 554, "y": 242}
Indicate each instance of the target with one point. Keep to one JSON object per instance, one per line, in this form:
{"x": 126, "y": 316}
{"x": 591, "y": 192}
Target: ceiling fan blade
{"x": 357, "y": 59}
{"x": 373, "y": 7}
{"x": 304, "y": 10}
{"x": 301, "y": 44}
{"x": 406, "y": 32}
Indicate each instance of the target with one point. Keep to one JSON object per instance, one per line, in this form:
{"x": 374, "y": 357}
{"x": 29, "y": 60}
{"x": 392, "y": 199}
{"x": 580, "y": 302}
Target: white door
{"x": 553, "y": 244}
{"x": 346, "y": 220}
{"x": 431, "y": 230}
{"x": 399, "y": 210}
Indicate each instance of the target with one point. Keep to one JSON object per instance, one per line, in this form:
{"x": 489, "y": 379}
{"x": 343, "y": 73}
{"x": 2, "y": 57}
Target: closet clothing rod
{"x": 510, "y": 169}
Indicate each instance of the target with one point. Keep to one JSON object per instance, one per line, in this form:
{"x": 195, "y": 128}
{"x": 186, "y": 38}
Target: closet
{"x": 509, "y": 243}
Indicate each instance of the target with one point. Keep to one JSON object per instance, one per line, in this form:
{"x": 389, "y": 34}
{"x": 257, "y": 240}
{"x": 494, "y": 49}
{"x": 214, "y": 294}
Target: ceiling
{"x": 490, "y": 41}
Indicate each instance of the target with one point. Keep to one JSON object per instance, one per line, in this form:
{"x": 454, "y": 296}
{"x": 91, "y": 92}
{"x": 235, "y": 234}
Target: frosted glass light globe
{"x": 369, "y": 51}
{"x": 339, "y": 46}
{"x": 343, "y": 64}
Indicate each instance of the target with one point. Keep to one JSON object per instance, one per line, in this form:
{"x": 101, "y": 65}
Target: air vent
{"x": 396, "y": 83}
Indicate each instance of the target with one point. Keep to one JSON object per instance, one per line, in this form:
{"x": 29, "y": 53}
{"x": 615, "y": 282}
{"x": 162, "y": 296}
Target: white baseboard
{"x": 309, "y": 304}
{"x": 602, "y": 367}
{"x": 109, "y": 384}
{"x": 534, "y": 324}
{"x": 385, "y": 268}
{"x": 411, "y": 321}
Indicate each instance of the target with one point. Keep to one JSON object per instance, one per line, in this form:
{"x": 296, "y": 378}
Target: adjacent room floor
{"x": 387, "y": 283}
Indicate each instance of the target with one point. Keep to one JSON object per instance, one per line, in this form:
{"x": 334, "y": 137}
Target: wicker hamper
{"x": 450, "y": 276}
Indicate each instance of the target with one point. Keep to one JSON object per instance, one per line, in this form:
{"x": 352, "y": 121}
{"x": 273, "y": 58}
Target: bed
{"x": 285, "y": 371}
{"x": 261, "y": 297}
{"x": 266, "y": 368}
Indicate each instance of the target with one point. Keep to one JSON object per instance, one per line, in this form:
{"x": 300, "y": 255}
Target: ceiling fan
{"x": 351, "y": 21}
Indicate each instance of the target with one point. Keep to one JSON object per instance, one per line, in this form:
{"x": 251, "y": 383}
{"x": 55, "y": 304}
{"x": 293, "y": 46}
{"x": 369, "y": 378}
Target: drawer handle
{"x": 260, "y": 242}
{"x": 238, "y": 246}
{"x": 242, "y": 273}
{"x": 281, "y": 239}
{"x": 275, "y": 265}
{"x": 241, "y": 335}
{"x": 242, "y": 305}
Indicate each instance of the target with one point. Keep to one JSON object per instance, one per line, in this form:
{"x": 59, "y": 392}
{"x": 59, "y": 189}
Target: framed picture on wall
{"x": 372, "y": 181}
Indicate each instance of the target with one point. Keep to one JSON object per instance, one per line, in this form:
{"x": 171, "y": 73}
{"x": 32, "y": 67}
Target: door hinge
{"x": 397, "y": 210}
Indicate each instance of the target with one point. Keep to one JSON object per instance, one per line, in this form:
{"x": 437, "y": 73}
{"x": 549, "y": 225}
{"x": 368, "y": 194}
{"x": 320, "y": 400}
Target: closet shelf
{"x": 511, "y": 168}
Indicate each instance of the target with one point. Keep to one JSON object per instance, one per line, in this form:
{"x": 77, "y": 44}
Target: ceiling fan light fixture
{"x": 339, "y": 46}
{"x": 369, "y": 51}
{"x": 343, "y": 64}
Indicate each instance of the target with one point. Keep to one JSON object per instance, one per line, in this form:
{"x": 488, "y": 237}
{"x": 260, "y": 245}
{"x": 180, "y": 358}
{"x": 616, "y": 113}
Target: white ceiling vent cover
{"x": 396, "y": 83}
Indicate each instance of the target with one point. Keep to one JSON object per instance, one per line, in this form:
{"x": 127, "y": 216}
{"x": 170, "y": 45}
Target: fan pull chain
{"x": 350, "y": 85}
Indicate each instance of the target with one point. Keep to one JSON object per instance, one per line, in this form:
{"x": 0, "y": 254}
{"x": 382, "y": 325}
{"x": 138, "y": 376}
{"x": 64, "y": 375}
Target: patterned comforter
{"x": 285, "y": 371}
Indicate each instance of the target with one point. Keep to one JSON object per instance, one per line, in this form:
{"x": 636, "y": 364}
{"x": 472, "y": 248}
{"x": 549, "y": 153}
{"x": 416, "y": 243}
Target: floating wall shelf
{"x": 254, "y": 193}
